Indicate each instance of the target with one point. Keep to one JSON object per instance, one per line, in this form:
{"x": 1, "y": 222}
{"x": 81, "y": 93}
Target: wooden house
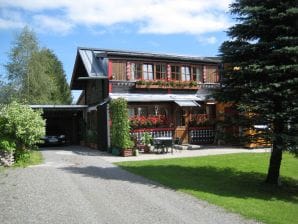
{"x": 167, "y": 95}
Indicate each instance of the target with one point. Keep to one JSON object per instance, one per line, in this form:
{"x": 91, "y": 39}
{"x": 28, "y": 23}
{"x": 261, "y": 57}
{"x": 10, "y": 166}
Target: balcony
{"x": 163, "y": 84}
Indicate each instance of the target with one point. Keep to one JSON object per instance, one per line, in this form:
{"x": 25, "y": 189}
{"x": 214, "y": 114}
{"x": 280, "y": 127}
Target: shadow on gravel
{"x": 109, "y": 173}
{"x": 225, "y": 182}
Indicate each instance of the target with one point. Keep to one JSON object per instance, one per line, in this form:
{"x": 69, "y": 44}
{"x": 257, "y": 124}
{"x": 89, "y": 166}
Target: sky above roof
{"x": 184, "y": 27}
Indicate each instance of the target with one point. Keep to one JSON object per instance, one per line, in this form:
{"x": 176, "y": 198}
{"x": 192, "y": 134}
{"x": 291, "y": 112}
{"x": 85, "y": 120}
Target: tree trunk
{"x": 276, "y": 155}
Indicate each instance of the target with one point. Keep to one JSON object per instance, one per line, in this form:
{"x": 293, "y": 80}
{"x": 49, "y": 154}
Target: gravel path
{"x": 75, "y": 185}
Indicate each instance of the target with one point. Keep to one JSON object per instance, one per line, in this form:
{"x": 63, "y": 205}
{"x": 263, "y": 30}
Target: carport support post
{"x": 102, "y": 127}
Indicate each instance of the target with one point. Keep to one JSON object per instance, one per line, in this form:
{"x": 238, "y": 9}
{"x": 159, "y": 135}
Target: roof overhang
{"x": 60, "y": 107}
{"x": 137, "y": 97}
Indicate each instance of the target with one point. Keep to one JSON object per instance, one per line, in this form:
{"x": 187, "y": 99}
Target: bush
{"x": 20, "y": 127}
{"x": 7, "y": 145}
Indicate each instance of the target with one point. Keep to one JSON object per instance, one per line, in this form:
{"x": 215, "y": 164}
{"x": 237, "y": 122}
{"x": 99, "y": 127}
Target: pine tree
{"x": 261, "y": 71}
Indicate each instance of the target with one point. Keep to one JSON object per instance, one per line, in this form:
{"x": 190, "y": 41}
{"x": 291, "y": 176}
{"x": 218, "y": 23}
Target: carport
{"x": 63, "y": 119}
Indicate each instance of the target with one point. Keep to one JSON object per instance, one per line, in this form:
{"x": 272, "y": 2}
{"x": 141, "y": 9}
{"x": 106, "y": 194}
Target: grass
{"x": 235, "y": 182}
{"x": 33, "y": 157}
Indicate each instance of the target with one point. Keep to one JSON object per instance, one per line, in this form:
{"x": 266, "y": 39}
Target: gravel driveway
{"x": 75, "y": 185}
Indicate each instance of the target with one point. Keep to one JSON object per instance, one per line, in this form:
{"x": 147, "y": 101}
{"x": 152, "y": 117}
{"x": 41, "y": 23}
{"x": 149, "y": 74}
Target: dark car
{"x": 54, "y": 140}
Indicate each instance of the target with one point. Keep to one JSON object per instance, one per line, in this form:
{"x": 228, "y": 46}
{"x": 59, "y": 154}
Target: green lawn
{"x": 233, "y": 181}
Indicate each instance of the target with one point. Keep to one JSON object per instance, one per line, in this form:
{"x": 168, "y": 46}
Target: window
{"x": 142, "y": 111}
{"x": 131, "y": 112}
{"x": 147, "y": 71}
{"x": 161, "y": 71}
{"x": 197, "y": 73}
{"x": 175, "y": 72}
{"x": 185, "y": 73}
{"x": 136, "y": 71}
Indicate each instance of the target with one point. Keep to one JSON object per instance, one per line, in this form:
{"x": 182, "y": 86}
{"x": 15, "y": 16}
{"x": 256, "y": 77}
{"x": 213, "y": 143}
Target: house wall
{"x": 93, "y": 92}
{"x": 122, "y": 70}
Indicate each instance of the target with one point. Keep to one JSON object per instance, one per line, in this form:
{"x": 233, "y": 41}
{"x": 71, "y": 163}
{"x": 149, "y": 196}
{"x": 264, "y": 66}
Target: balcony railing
{"x": 154, "y": 132}
{"x": 201, "y": 135}
{"x": 163, "y": 84}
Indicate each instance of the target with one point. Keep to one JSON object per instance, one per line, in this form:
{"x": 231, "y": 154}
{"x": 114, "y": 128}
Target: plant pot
{"x": 115, "y": 151}
{"x": 126, "y": 152}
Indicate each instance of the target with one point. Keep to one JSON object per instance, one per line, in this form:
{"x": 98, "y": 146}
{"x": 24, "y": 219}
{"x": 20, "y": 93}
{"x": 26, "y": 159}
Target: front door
{"x": 181, "y": 130}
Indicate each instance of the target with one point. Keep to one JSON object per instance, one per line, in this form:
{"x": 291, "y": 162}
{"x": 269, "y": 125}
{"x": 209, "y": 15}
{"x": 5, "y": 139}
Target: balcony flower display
{"x": 150, "y": 121}
{"x": 173, "y": 84}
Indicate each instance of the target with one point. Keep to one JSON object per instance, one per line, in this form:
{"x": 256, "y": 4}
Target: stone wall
{"x": 6, "y": 158}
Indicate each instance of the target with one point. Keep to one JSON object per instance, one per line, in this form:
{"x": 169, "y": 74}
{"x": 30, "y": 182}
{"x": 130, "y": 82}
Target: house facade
{"x": 167, "y": 95}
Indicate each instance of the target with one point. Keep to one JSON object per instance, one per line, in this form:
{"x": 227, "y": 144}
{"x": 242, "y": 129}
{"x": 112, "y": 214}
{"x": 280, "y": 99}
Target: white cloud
{"x": 45, "y": 23}
{"x": 207, "y": 40}
{"x": 149, "y": 16}
{"x": 10, "y": 19}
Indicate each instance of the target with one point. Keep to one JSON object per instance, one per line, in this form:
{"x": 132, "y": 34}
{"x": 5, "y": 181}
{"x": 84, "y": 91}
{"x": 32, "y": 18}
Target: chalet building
{"x": 167, "y": 95}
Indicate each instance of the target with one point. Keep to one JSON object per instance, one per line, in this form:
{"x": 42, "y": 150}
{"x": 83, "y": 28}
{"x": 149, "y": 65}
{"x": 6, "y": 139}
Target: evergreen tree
{"x": 47, "y": 84}
{"x": 261, "y": 71}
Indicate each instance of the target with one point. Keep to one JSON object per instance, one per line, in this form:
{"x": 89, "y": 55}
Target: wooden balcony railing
{"x": 154, "y": 132}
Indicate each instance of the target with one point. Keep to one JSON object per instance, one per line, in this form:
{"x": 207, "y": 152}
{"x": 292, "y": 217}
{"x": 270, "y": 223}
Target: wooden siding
{"x": 211, "y": 74}
{"x": 94, "y": 92}
{"x": 119, "y": 70}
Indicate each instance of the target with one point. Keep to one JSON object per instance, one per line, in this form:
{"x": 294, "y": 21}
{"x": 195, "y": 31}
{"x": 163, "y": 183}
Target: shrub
{"x": 7, "y": 145}
{"x": 20, "y": 127}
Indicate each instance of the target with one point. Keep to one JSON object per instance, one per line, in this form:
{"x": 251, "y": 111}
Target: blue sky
{"x": 186, "y": 27}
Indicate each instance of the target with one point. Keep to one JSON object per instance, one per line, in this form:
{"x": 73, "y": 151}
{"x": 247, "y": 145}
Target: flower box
{"x": 126, "y": 152}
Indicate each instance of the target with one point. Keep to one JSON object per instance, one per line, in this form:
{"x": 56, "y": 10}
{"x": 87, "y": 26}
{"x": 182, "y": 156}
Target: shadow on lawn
{"x": 225, "y": 182}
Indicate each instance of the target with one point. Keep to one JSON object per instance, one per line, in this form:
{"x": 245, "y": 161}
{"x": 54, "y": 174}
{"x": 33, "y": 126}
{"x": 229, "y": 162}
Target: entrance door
{"x": 181, "y": 130}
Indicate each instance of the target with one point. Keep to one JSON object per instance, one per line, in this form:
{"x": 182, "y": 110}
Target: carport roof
{"x": 60, "y": 107}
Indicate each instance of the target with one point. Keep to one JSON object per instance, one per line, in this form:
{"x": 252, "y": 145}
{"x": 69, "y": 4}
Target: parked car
{"x": 54, "y": 140}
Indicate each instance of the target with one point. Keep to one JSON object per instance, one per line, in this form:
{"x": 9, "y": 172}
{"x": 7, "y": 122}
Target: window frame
{"x": 184, "y": 74}
{"x": 176, "y": 74}
{"x": 162, "y": 73}
{"x": 146, "y": 72}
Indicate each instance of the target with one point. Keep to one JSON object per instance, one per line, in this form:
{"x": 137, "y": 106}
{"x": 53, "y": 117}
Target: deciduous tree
{"x": 34, "y": 75}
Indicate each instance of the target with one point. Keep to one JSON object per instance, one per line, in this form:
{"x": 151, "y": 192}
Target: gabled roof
{"x": 92, "y": 63}
{"x": 87, "y": 67}
{"x": 100, "y": 52}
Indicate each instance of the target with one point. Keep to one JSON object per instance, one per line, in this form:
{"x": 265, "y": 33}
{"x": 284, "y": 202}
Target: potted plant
{"x": 127, "y": 148}
{"x": 146, "y": 140}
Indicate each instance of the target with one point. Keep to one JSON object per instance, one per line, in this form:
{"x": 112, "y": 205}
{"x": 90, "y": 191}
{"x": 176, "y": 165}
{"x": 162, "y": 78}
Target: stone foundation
{"x": 6, "y": 158}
